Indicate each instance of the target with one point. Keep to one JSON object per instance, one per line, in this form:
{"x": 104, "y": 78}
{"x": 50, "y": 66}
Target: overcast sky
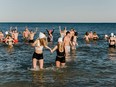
{"x": 57, "y": 10}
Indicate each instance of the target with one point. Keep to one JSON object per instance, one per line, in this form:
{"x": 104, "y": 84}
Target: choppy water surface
{"x": 92, "y": 65}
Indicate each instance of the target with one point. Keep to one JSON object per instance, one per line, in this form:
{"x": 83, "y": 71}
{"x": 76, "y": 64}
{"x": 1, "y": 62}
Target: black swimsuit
{"x": 60, "y": 56}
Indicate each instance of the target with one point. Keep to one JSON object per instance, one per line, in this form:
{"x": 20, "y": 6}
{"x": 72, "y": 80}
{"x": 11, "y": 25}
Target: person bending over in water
{"x": 60, "y": 50}
{"x": 9, "y": 41}
{"x": 38, "y": 54}
{"x": 112, "y": 41}
{"x": 50, "y": 35}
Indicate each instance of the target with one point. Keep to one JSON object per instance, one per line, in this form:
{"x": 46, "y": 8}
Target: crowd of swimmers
{"x": 67, "y": 41}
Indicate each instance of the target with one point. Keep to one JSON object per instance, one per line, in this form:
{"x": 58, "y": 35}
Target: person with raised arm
{"x": 67, "y": 43}
{"x": 26, "y": 33}
{"x": 16, "y": 35}
{"x": 50, "y": 35}
{"x": 31, "y": 36}
{"x": 62, "y": 32}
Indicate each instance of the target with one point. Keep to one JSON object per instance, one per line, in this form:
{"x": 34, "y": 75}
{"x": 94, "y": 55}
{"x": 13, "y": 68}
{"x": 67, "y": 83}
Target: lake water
{"x": 92, "y": 65}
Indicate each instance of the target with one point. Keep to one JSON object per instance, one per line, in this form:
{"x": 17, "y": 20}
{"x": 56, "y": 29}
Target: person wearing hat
{"x": 112, "y": 41}
{"x": 60, "y": 50}
{"x": 39, "y": 44}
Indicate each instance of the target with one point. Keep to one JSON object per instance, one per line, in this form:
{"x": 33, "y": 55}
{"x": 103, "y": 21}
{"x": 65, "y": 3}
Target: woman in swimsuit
{"x": 39, "y": 44}
{"x": 60, "y": 50}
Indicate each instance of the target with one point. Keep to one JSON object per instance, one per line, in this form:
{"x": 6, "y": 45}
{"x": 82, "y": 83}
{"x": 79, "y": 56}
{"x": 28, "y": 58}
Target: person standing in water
{"x": 95, "y": 36}
{"x": 1, "y": 36}
{"x": 67, "y": 43}
{"x": 16, "y": 36}
{"x": 31, "y": 36}
{"x": 74, "y": 41}
{"x": 39, "y": 44}
{"x": 112, "y": 41}
{"x": 86, "y": 37}
{"x": 62, "y": 32}
{"x": 50, "y": 35}
{"x": 26, "y": 33}
{"x": 60, "y": 50}
{"x": 90, "y": 35}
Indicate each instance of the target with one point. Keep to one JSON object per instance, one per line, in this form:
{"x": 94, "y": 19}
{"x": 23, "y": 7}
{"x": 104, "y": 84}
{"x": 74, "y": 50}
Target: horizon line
{"x": 53, "y": 22}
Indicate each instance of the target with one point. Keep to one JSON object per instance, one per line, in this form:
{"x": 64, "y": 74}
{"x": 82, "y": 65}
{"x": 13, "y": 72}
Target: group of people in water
{"x": 67, "y": 41}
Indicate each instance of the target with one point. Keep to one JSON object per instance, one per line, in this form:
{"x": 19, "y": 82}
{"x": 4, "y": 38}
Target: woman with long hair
{"x": 39, "y": 44}
{"x": 60, "y": 50}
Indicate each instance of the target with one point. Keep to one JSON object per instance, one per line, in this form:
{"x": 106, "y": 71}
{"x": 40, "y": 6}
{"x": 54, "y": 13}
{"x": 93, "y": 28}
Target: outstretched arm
{"x": 36, "y": 29}
{"x": 47, "y": 30}
{"x": 48, "y": 47}
{"x": 52, "y": 31}
{"x": 54, "y": 49}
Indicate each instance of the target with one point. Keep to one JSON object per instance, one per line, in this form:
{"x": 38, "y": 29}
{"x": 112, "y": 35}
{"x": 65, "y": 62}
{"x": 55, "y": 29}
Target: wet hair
{"x": 86, "y": 33}
{"x": 94, "y": 33}
{"x": 61, "y": 47}
{"x": 67, "y": 32}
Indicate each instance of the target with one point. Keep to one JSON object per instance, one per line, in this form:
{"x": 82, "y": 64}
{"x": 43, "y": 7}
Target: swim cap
{"x": 60, "y": 39}
{"x": 112, "y": 34}
{"x": 6, "y": 32}
{"x": 41, "y": 35}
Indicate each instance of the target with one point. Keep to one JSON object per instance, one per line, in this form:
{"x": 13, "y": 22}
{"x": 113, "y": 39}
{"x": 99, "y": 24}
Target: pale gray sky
{"x": 57, "y": 10}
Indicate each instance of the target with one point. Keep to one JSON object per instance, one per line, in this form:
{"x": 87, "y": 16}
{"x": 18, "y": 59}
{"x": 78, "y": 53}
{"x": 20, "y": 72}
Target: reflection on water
{"x": 112, "y": 53}
{"x": 89, "y": 65}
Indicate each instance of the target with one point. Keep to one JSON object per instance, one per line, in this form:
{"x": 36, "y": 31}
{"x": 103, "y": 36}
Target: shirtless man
{"x": 14, "y": 34}
{"x": 67, "y": 43}
{"x": 31, "y": 36}
{"x": 26, "y": 34}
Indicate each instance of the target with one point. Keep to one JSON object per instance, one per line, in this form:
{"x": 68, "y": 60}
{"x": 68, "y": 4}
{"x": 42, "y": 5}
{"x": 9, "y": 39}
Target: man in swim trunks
{"x": 26, "y": 34}
{"x": 67, "y": 43}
